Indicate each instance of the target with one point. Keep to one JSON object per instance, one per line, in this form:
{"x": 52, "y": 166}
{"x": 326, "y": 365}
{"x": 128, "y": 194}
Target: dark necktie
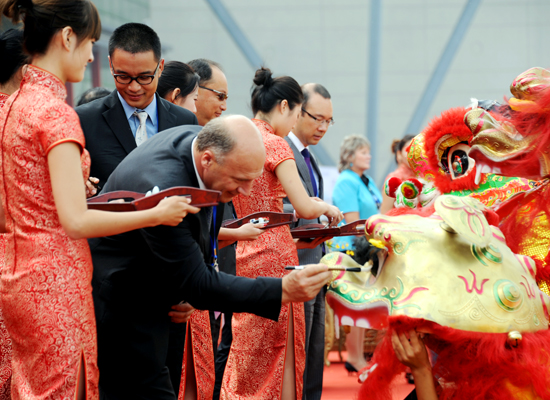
{"x": 307, "y": 159}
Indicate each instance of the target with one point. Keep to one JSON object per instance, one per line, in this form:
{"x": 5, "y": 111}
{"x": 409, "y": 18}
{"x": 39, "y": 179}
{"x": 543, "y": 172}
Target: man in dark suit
{"x": 116, "y": 124}
{"x": 140, "y": 274}
{"x": 312, "y": 124}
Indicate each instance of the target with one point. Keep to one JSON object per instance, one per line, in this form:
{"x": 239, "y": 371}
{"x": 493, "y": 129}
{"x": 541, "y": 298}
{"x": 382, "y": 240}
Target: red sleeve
{"x": 59, "y": 124}
{"x": 277, "y": 150}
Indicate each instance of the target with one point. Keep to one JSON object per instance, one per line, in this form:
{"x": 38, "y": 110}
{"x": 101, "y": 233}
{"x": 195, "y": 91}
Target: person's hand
{"x": 334, "y": 215}
{"x": 91, "y": 187}
{"x": 411, "y": 351}
{"x": 250, "y": 231}
{"x": 303, "y": 285}
{"x": 172, "y": 210}
{"x": 311, "y": 243}
{"x": 181, "y": 312}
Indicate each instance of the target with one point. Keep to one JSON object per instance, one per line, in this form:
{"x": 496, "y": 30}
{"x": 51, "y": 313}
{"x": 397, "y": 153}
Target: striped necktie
{"x": 141, "y": 133}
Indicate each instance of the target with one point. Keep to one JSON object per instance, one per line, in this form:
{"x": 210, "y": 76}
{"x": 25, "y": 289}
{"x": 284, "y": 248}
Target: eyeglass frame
{"x": 329, "y": 122}
{"x": 134, "y": 78}
{"x": 221, "y": 95}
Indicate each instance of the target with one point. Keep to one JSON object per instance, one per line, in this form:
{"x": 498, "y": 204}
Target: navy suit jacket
{"x": 140, "y": 274}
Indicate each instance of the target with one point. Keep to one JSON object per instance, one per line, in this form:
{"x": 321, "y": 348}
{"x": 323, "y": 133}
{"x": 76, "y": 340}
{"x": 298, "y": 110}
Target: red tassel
{"x": 392, "y": 185}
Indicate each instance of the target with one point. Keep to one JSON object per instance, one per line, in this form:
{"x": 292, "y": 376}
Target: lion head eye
{"x": 456, "y": 162}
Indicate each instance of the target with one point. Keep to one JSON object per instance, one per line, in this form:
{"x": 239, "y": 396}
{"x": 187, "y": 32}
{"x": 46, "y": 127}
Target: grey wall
{"x": 326, "y": 41}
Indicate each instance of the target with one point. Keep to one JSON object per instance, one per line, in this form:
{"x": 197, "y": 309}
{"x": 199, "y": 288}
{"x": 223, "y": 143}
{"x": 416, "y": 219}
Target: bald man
{"x": 140, "y": 274}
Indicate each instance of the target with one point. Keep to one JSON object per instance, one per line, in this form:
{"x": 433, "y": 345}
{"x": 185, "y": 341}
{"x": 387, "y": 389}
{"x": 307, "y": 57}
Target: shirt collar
{"x": 151, "y": 109}
{"x": 297, "y": 142}
{"x": 201, "y": 183}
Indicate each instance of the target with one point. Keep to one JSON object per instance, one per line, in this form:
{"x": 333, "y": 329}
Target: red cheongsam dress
{"x": 46, "y": 287}
{"x": 256, "y": 360}
{"x": 5, "y": 341}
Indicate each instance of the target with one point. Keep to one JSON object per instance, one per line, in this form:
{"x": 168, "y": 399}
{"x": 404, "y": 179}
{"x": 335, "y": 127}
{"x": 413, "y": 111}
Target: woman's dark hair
{"x": 11, "y": 54}
{"x": 177, "y": 75}
{"x": 398, "y": 144}
{"x": 44, "y": 18}
{"x": 267, "y": 91}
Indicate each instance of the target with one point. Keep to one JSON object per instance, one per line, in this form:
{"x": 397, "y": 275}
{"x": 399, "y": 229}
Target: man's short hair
{"x": 92, "y": 94}
{"x": 135, "y": 38}
{"x": 315, "y": 88}
{"x": 216, "y": 137}
{"x": 203, "y": 67}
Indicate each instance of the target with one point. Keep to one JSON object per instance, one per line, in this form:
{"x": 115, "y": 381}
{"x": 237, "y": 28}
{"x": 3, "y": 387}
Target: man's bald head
{"x": 230, "y": 133}
{"x": 238, "y": 155}
{"x": 308, "y": 89}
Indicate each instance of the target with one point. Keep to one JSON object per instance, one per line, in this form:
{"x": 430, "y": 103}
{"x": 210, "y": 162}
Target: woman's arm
{"x": 244, "y": 232}
{"x": 69, "y": 194}
{"x": 387, "y": 203}
{"x": 305, "y": 206}
{"x": 412, "y": 353}
{"x": 351, "y": 216}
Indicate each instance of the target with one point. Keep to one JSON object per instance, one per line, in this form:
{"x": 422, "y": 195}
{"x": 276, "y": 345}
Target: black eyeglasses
{"x": 221, "y": 95}
{"x": 319, "y": 120}
{"x": 141, "y": 79}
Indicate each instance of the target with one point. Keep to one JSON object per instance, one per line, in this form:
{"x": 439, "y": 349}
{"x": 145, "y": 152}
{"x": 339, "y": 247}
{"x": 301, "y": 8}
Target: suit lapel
{"x": 166, "y": 119}
{"x": 116, "y": 119}
{"x": 187, "y": 159}
{"x": 303, "y": 170}
{"x": 203, "y": 215}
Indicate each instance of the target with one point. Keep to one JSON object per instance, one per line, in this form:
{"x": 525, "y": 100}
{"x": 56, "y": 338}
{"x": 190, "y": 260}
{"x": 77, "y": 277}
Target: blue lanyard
{"x": 214, "y": 241}
{"x": 365, "y": 181}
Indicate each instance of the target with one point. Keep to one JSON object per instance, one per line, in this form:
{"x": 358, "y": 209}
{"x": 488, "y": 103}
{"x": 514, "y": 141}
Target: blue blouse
{"x": 350, "y": 194}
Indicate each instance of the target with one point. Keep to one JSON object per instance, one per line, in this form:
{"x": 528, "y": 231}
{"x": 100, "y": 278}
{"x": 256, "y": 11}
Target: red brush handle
{"x": 275, "y": 219}
{"x": 199, "y": 198}
{"x": 355, "y": 228}
{"x": 313, "y": 231}
{"x": 120, "y": 194}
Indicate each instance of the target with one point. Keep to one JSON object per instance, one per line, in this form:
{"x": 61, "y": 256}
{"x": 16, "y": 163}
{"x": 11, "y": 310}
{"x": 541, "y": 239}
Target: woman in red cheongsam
{"x": 11, "y": 72}
{"x": 46, "y": 280}
{"x": 267, "y": 358}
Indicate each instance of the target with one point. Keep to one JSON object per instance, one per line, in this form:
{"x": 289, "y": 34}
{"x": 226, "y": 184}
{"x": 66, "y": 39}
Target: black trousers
{"x": 223, "y": 354}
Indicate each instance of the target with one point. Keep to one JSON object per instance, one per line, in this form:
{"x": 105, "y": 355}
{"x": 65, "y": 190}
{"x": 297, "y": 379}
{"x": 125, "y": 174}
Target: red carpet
{"x": 337, "y": 385}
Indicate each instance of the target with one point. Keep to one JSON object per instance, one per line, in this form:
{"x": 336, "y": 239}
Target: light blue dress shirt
{"x": 152, "y": 120}
{"x": 350, "y": 194}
